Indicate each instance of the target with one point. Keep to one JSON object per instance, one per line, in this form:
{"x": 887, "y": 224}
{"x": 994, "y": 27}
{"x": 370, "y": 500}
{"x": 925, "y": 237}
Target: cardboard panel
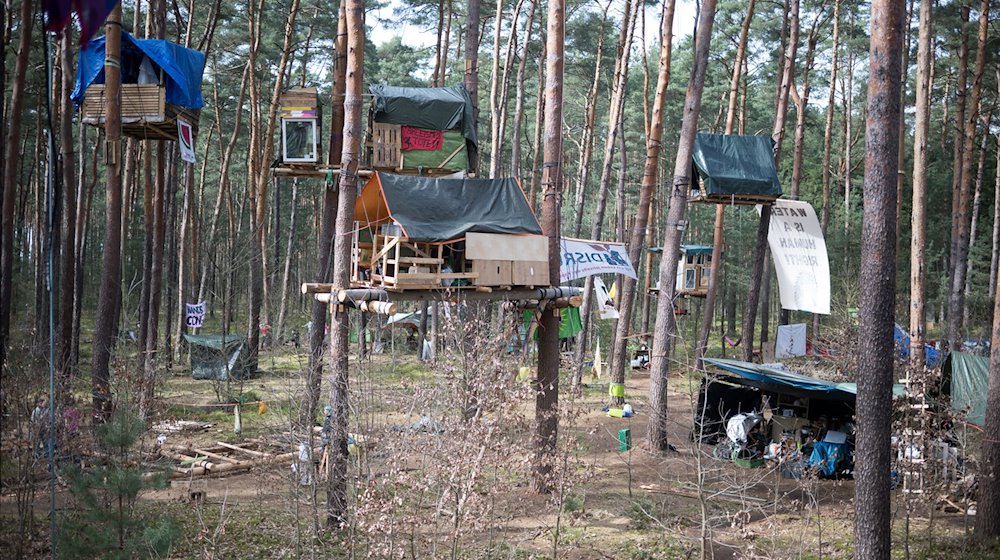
{"x": 530, "y": 273}
{"x": 506, "y": 247}
{"x": 492, "y": 272}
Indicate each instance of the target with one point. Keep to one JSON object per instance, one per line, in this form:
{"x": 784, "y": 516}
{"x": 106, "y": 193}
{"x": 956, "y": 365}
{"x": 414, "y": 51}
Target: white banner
{"x": 185, "y": 139}
{"x": 581, "y": 258}
{"x": 791, "y": 341}
{"x": 800, "y": 259}
{"x": 194, "y": 315}
{"x": 605, "y": 303}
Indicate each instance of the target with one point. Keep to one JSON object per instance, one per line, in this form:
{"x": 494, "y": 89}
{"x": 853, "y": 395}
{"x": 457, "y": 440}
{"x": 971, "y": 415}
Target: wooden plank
{"x": 492, "y": 272}
{"x": 506, "y": 247}
{"x": 418, "y": 260}
{"x": 243, "y": 449}
{"x": 530, "y": 273}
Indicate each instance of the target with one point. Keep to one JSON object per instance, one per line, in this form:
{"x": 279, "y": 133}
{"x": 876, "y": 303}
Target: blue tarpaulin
{"x": 182, "y": 67}
{"x": 932, "y": 356}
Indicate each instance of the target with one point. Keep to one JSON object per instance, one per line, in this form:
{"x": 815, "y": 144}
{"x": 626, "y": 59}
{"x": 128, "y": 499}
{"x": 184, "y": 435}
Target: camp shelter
{"x": 734, "y": 169}
{"x": 694, "y": 269}
{"x": 423, "y": 131}
{"x": 161, "y": 82}
{"x": 795, "y": 399}
{"x": 409, "y": 321}
{"x": 570, "y": 323}
{"x": 425, "y": 232}
{"x": 218, "y": 357}
{"x": 966, "y": 379}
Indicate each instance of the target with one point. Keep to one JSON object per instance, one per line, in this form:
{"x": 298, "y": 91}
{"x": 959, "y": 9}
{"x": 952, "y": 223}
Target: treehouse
{"x": 161, "y": 84}
{"x": 694, "y": 269}
{"x": 426, "y": 233}
{"x": 732, "y": 169}
{"x": 421, "y": 131}
{"x": 301, "y": 124}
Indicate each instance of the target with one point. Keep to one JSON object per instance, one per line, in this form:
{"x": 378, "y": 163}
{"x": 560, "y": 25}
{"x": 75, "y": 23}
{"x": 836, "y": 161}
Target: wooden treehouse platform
{"x": 144, "y": 111}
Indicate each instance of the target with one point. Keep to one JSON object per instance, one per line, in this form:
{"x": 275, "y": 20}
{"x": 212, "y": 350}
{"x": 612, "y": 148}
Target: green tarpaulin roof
{"x": 438, "y": 210}
{"x": 441, "y": 108}
{"x": 970, "y": 376}
{"x": 736, "y": 165}
{"x": 218, "y": 357}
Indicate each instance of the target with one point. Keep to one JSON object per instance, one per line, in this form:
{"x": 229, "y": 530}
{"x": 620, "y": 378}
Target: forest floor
{"x": 444, "y": 490}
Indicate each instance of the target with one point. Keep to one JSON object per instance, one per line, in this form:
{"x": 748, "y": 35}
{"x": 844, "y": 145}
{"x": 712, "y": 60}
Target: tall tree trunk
{"x": 918, "y": 226}
{"x": 547, "y": 382}
{"x": 641, "y": 229}
{"x": 960, "y": 253}
{"x": 505, "y": 82}
{"x": 539, "y": 124}
{"x": 666, "y": 326}
{"x": 976, "y": 202}
{"x": 958, "y": 146}
{"x": 760, "y": 275}
{"x": 615, "y": 119}
{"x": 495, "y": 100}
{"x": 988, "y": 505}
{"x": 872, "y": 537}
{"x": 110, "y": 291}
{"x": 720, "y": 209}
{"x": 286, "y": 272}
{"x": 336, "y": 486}
{"x": 995, "y": 254}
{"x": 515, "y": 137}
{"x": 590, "y": 118}
{"x": 472, "y": 68}
{"x": 830, "y": 107}
{"x": 67, "y": 256}
{"x": 260, "y": 174}
{"x": 12, "y": 144}
{"x": 328, "y": 224}
{"x": 438, "y": 56}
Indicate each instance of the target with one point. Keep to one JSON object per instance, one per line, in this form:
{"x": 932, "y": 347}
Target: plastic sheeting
{"x": 183, "y": 68}
{"x": 733, "y": 164}
{"x": 217, "y": 357}
{"x": 970, "y": 376}
{"x": 439, "y": 210}
{"x": 787, "y": 382}
{"x": 441, "y": 108}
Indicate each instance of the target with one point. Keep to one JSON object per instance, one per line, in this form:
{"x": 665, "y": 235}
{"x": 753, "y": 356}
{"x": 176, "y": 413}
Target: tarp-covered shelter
{"x": 161, "y": 81}
{"x": 932, "y": 356}
{"x": 966, "y": 379}
{"x": 797, "y": 398}
{"x": 734, "y": 169}
{"x": 218, "y": 357}
{"x": 441, "y": 121}
{"x": 440, "y": 210}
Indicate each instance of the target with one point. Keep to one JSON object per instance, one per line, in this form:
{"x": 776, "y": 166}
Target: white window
{"x": 299, "y": 140}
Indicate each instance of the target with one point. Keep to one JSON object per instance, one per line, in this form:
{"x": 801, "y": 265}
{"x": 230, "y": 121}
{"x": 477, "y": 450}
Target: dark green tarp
{"x": 736, "y": 165}
{"x": 969, "y": 377}
{"x": 435, "y": 210}
{"x": 441, "y": 108}
{"x": 218, "y": 357}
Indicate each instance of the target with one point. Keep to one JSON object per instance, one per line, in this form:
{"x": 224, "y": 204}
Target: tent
{"x": 404, "y": 320}
{"x": 436, "y": 210}
{"x": 182, "y": 68}
{"x": 733, "y": 168}
{"x": 438, "y": 109}
{"x": 218, "y": 357}
{"x": 570, "y": 323}
{"x": 966, "y": 378}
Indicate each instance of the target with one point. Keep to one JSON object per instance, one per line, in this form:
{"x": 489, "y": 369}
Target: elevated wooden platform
{"x": 144, "y": 111}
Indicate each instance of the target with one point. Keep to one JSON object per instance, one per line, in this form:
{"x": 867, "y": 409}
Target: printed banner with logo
{"x": 581, "y": 258}
{"x": 194, "y": 315}
{"x": 185, "y": 139}
{"x": 800, "y": 260}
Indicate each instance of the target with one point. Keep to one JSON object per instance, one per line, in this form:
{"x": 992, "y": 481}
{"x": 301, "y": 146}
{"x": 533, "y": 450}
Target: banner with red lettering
{"x": 413, "y": 138}
{"x": 800, "y": 260}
